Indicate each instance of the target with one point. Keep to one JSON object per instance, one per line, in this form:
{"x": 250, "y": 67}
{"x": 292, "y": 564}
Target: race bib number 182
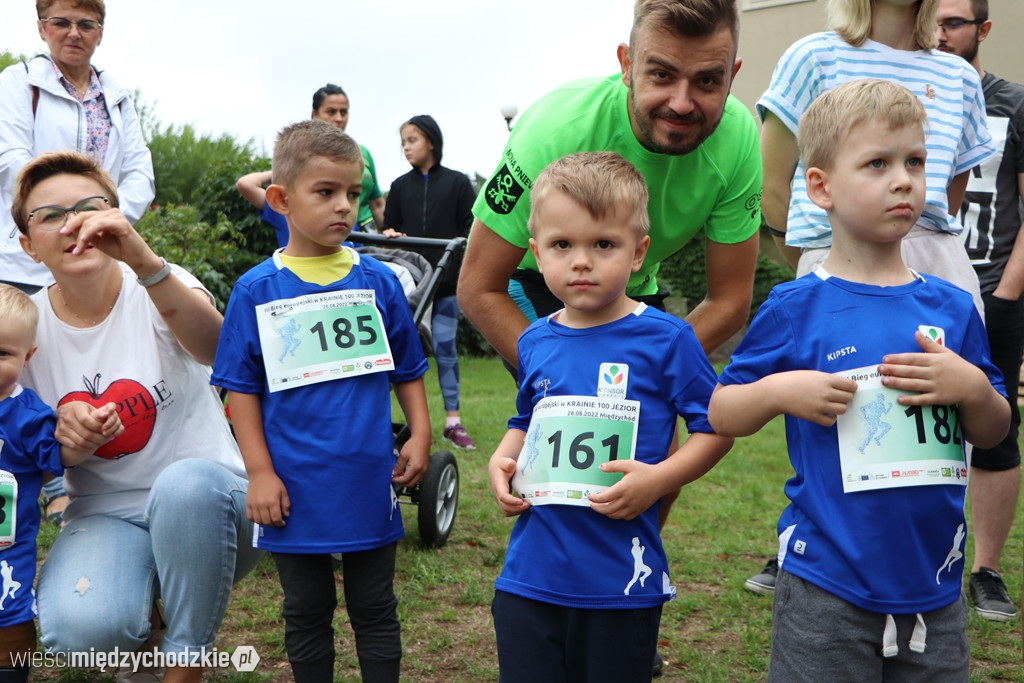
{"x": 883, "y": 444}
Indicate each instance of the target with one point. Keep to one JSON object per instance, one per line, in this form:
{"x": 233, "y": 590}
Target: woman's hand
{"x": 391, "y": 233}
{"x": 85, "y": 427}
{"x": 112, "y": 233}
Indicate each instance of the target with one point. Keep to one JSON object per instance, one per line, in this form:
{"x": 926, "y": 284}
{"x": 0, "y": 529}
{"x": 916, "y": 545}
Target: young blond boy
{"x": 602, "y": 382}
{"x": 312, "y": 340}
{"x": 28, "y": 449}
{"x": 882, "y": 374}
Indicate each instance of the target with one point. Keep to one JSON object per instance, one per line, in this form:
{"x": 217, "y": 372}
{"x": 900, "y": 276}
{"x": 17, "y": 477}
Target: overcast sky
{"x": 249, "y": 68}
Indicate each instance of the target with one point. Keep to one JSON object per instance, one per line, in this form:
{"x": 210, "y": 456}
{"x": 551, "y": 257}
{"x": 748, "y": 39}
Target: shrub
{"x": 685, "y": 275}
{"x": 212, "y": 252}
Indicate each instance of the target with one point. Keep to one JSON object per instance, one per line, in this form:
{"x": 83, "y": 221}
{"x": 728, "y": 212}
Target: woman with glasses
{"x": 159, "y": 511}
{"x": 61, "y": 101}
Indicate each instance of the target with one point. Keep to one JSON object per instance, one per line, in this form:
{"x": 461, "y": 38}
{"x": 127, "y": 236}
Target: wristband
{"x": 776, "y": 233}
{"x": 158, "y": 276}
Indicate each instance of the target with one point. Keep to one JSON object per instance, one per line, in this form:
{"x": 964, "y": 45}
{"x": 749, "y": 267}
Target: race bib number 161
{"x": 569, "y": 438}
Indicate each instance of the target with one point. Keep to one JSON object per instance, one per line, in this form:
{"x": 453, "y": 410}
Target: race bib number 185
{"x": 321, "y": 337}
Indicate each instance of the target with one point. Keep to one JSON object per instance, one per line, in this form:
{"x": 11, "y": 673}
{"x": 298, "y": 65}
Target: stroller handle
{"x": 452, "y": 248}
{"x": 456, "y": 244}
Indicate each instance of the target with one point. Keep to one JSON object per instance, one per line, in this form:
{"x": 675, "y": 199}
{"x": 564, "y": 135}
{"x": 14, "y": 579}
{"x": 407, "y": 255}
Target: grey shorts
{"x": 817, "y": 636}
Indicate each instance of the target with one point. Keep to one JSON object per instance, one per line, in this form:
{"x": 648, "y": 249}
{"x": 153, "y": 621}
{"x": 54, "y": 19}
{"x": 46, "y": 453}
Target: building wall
{"x": 765, "y": 33}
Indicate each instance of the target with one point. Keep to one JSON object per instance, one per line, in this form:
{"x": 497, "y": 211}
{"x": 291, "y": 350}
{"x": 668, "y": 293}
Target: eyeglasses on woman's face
{"x": 53, "y": 217}
{"x": 62, "y": 24}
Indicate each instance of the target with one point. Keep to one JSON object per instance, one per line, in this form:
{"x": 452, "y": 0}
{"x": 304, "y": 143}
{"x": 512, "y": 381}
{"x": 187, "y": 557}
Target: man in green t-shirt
{"x": 670, "y": 113}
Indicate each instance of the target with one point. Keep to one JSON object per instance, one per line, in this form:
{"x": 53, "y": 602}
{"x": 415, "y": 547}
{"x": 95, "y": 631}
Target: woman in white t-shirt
{"x": 159, "y": 512}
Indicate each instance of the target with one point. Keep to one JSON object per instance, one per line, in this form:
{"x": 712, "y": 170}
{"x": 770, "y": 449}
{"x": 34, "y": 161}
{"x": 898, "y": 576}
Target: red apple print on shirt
{"x": 135, "y": 407}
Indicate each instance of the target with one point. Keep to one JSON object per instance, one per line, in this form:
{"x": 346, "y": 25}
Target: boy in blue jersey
{"x": 28, "y": 450}
{"x": 602, "y": 382}
{"x": 882, "y": 374}
{"x": 318, "y": 332}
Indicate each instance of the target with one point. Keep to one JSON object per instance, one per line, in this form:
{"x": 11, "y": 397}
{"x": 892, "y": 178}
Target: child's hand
{"x": 109, "y": 420}
{"x": 412, "y": 462}
{"x": 939, "y": 375}
{"x": 639, "y": 488}
{"x": 267, "y": 501}
{"x": 818, "y": 397}
{"x": 500, "y": 470}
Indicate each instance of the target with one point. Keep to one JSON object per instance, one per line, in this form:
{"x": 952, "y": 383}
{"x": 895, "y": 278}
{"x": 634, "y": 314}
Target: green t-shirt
{"x": 716, "y": 187}
{"x": 371, "y": 190}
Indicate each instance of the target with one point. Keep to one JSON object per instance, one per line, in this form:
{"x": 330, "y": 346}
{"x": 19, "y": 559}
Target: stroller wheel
{"x": 438, "y": 499}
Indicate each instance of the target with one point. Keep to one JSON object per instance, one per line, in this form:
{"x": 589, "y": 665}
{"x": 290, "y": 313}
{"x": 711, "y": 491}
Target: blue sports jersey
{"x": 331, "y": 443}
{"x": 895, "y": 550}
{"x": 574, "y": 556}
{"x": 27, "y": 449}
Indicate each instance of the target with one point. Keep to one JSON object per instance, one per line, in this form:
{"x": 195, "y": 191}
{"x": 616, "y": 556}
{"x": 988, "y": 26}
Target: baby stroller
{"x": 437, "y": 494}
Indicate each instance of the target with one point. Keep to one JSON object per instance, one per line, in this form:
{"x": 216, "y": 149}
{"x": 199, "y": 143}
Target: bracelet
{"x": 776, "y": 233}
{"x": 158, "y": 276}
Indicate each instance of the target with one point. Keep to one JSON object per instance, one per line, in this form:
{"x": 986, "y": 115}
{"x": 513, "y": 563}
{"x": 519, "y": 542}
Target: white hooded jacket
{"x": 58, "y": 123}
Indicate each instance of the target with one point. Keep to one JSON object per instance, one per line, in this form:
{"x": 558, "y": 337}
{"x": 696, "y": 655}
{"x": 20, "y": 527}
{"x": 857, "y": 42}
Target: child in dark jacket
{"x": 434, "y": 201}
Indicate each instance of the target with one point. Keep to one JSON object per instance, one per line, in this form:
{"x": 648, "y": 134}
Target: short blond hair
{"x": 300, "y": 142}
{"x": 826, "y": 123}
{"x": 50, "y": 164}
{"x": 15, "y": 305}
{"x": 851, "y": 19}
{"x": 597, "y": 181}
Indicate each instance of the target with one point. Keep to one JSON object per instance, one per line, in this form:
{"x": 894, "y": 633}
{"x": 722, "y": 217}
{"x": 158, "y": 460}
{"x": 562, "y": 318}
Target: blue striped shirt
{"x": 957, "y": 136}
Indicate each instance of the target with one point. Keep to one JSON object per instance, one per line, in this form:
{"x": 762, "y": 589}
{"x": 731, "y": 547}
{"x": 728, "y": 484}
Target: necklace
{"x": 91, "y": 323}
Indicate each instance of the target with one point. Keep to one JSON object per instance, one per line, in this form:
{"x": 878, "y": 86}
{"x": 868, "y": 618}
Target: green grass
{"x": 722, "y": 529}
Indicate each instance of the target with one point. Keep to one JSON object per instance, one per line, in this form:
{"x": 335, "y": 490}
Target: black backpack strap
{"x": 994, "y": 86}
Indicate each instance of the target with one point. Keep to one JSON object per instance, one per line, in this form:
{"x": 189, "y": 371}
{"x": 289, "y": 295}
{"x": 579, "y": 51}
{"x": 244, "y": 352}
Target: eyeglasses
{"x": 953, "y": 23}
{"x": 62, "y": 24}
{"x": 54, "y": 217}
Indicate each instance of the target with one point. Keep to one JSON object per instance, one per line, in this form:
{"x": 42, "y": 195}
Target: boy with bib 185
{"x": 313, "y": 339}
{"x": 882, "y": 373}
{"x": 601, "y": 383}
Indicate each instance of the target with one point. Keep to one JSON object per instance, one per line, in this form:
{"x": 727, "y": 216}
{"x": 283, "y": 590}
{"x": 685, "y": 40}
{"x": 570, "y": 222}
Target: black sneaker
{"x": 764, "y": 582}
{"x": 659, "y": 664}
{"x": 991, "y": 600}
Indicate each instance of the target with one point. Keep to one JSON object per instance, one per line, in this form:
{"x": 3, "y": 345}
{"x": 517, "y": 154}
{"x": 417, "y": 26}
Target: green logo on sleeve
{"x": 503, "y": 191}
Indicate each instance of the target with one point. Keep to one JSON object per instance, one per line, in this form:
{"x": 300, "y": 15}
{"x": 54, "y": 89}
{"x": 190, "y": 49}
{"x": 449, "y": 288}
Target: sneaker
{"x": 764, "y": 582}
{"x": 991, "y": 600}
{"x": 658, "y": 665}
{"x": 458, "y": 437}
{"x": 146, "y": 674}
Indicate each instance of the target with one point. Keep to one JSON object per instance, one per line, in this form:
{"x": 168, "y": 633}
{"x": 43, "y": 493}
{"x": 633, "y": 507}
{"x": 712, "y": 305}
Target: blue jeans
{"x": 97, "y": 585}
{"x": 444, "y": 325}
